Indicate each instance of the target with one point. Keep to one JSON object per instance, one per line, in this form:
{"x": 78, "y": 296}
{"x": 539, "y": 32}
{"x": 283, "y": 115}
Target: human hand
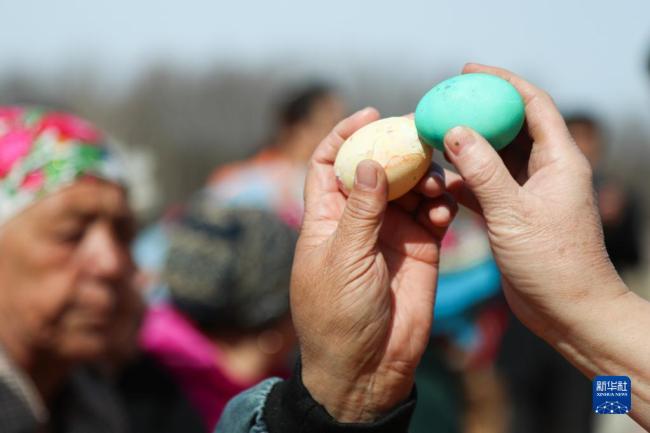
{"x": 363, "y": 282}
{"x": 544, "y": 227}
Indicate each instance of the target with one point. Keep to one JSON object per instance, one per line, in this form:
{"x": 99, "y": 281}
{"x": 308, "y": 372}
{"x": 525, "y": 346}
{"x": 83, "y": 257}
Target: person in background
{"x": 618, "y": 207}
{"x": 227, "y": 324}
{"x": 65, "y": 276}
{"x": 152, "y": 400}
{"x": 456, "y": 380}
{"x": 271, "y": 181}
{"x": 65, "y": 266}
{"x": 274, "y": 177}
{"x": 546, "y": 393}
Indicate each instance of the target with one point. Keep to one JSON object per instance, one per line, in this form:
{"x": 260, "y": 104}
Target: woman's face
{"x": 65, "y": 270}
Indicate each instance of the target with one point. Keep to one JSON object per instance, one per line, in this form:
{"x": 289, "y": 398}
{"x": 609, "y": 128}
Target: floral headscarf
{"x": 43, "y": 151}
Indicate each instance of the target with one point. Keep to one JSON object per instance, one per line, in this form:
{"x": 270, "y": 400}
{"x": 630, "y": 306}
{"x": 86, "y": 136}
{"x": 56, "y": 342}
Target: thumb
{"x": 481, "y": 167}
{"x": 358, "y": 228}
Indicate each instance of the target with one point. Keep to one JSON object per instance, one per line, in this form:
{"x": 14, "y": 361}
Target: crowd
{"x": 271, "y": 302}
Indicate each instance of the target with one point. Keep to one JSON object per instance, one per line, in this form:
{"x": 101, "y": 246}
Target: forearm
{"x": 611, "y": 337}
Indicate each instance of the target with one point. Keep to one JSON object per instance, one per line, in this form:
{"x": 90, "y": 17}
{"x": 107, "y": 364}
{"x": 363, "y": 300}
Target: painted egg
{"x": 486, "y": 103}
{"x": 393, "y": 143}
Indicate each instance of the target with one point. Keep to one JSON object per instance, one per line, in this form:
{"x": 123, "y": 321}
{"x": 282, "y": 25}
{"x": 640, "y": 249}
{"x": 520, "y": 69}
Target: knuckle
{"x": 581, "y": 169}
{"x": 362, "y": 207}
{"x": 546, "y": 97}
{"x": 482, "y": 172}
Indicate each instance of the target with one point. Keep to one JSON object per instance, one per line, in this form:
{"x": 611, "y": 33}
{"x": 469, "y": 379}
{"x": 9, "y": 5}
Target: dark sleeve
{"x": 290, "y": 408}
{"x": 623, "y": 240}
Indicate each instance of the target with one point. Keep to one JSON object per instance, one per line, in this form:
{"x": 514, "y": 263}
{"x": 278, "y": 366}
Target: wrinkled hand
{"x": 544, "y": 230}
{"x": 363, "y": 282}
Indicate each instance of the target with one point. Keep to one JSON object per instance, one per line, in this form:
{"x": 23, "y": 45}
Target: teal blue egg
{"x": 486, "y": 103}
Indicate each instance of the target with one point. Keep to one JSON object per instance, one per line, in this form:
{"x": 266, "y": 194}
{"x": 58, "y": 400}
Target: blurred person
{"x": 227, "y": 324}
{"x": 622, "y": 221}
{"x": 365, "y": 271}
{"x": 272, "y": 179}
{"x": 276, "y": 175}
{"x": 65, "y": 228}
{"x": 152, "y": 400}
{"x": 619, "y": 209}
{"x": 66, "y": 292}
{"x": 545, "y": 392}
{"x": 456, "y": 379}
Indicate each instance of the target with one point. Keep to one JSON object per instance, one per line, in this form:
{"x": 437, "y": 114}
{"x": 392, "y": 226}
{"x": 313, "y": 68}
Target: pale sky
{"x": 585, "y": 53}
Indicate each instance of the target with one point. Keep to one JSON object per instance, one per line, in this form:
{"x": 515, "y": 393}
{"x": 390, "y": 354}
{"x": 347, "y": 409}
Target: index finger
{"x": 545, "y": 123}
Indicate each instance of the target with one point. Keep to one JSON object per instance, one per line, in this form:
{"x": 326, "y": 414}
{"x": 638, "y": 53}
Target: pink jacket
{"x": 192, "y": 359}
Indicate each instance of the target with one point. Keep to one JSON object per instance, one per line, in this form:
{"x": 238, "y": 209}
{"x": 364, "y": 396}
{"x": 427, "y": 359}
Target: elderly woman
{"x": 65, "y": 273}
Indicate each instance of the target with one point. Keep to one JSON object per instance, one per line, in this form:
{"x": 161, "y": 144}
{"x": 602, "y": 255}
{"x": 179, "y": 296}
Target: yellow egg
{"x": 392, "y": 142}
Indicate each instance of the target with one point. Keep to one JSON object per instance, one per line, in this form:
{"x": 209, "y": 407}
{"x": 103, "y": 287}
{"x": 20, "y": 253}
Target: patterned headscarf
{"x": 43, "y": 151}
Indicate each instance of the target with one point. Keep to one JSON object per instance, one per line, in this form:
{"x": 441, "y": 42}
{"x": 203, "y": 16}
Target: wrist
{"x": 607, "y": 340}
{"x": 356, "y": 399}
{"x": 595, "y": 289}
{"x": 290, "y": 407}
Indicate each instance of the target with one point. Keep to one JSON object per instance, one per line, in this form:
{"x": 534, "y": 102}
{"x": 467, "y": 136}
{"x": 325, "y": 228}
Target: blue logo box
{"x": 612, "y": 395}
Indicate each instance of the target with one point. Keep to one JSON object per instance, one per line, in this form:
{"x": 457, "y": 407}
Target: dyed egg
{"x": 486, "y": 103}
{"x": 392, "y": 142}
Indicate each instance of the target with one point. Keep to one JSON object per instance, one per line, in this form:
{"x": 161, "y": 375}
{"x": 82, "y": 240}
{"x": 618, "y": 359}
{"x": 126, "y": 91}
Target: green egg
{"x": 488, "y": 104}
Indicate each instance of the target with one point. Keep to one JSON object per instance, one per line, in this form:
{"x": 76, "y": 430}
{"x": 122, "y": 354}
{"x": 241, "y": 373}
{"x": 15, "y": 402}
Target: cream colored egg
{"x": 392, "y": 142}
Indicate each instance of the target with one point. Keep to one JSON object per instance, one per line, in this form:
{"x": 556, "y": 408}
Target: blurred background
{"x": 185, "y": 87}
{"x": 188, "y": 85}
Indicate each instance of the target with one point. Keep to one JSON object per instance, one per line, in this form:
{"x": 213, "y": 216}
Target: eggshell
{"x": 392, "y": 142}
{"x": 486, "y": 103}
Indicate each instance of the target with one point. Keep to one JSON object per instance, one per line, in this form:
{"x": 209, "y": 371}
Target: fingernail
{"x": 366, "y": 175}
{"x": 457, "y": 139}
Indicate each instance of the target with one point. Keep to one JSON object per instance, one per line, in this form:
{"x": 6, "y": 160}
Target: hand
{"x": 363, "y": 282}
{"x": 544, "y": 230}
